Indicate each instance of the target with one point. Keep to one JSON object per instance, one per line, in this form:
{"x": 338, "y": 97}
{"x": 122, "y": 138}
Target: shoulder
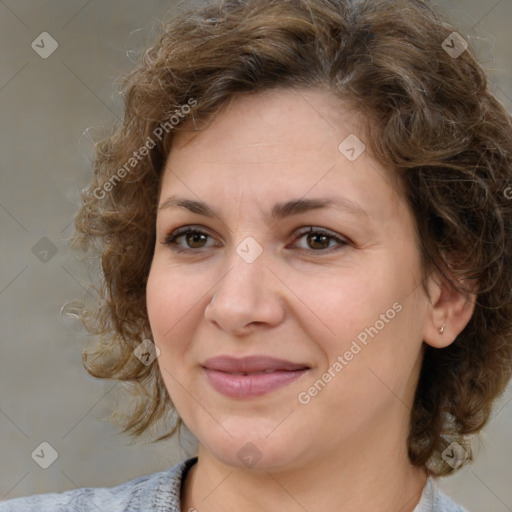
{"x": 445, "y": 504}
{"x": 434, "y": 500}
{"x": 158, "y": 492}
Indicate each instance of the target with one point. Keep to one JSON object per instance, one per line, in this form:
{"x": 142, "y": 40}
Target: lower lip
{"x": 256, "y": 384}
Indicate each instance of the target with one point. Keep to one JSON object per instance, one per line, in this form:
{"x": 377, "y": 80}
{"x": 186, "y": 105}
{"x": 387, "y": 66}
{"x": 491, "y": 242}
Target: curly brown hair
{"x": 430, "y": 116}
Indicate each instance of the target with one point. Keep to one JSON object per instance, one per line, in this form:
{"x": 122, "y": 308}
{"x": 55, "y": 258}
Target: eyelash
{"x": 172, "y": 237}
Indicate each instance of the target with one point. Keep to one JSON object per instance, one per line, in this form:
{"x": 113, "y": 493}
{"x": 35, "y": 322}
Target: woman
{"x": 304, "y": 235}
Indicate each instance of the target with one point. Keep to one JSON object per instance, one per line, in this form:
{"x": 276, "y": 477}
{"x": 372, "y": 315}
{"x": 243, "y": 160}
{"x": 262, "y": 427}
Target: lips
{"x": 251, "y": 376}
{"x": 251, "y": 364}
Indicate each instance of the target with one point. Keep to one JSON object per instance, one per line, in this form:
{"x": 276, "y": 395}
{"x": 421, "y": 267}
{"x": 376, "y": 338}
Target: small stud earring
{"x": 441, "y": 331}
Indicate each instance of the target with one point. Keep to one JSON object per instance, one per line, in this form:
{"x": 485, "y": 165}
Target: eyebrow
{"x": 279, "y": 210}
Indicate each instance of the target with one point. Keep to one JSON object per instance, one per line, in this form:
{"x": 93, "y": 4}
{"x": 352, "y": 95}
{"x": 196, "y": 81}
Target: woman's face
{"x": 343, "y": 305}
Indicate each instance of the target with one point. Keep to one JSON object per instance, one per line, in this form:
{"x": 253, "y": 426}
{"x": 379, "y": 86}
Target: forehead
{"x": 278, "y": 142}
{"x": 251, "y": 122}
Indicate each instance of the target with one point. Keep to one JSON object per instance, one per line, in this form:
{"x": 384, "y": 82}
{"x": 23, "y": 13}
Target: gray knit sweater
{"x": 160, "y": 492}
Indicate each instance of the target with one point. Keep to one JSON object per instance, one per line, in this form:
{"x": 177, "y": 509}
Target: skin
{"x": 304, "y": 299}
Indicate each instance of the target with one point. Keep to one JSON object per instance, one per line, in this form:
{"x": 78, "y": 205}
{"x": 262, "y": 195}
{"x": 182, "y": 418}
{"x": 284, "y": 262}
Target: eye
{"x": 193, "y": 237}
{"x": 318, "y": 239}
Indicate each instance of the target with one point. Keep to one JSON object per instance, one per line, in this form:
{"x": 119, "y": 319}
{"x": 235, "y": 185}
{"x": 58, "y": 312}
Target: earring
{"x": 441, "y": 331}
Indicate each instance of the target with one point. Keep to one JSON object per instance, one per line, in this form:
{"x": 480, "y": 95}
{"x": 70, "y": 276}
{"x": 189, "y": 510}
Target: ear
{"x": 450, "y": 307}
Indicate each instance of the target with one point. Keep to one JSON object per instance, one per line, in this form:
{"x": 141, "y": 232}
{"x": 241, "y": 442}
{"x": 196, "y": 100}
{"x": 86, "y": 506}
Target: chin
{"x": 254, "y": 450}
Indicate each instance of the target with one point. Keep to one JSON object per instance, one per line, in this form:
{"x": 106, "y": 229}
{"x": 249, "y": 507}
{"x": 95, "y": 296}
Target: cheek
{"x": 174, "y": 310}
{"x": 157, "y": 301}
{"x": 166, "y": 304}
{"x": 340, "y": 307}
{"x": 374, "y": 321}
{"x": 168, "y": 297}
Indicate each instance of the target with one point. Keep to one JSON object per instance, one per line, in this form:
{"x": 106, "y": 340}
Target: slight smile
{"x": 251, "y": 376}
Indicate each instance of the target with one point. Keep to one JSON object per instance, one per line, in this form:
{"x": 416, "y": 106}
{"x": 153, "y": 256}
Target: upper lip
{"x": 249, "y": 364}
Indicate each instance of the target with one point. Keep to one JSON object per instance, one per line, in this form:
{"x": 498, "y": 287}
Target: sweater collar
{"x": 167, "y": 498}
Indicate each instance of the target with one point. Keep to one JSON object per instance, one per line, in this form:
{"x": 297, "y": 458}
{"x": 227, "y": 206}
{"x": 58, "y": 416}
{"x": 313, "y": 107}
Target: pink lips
{"x": 250, "y": 376}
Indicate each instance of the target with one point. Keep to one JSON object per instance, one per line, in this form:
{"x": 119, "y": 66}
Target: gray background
{"x": 46, "y": 106}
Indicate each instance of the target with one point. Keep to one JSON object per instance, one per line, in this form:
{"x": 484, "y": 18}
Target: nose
{"x": 248, "y": 295}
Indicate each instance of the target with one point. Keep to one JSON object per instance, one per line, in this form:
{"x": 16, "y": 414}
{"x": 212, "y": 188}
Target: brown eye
{"x": 318, "y": 239}
{"x": 194, "y": 239}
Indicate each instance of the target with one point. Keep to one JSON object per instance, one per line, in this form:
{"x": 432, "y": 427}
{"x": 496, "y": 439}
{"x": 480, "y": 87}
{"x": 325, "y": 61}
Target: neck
{"x": 371, "y": 473}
